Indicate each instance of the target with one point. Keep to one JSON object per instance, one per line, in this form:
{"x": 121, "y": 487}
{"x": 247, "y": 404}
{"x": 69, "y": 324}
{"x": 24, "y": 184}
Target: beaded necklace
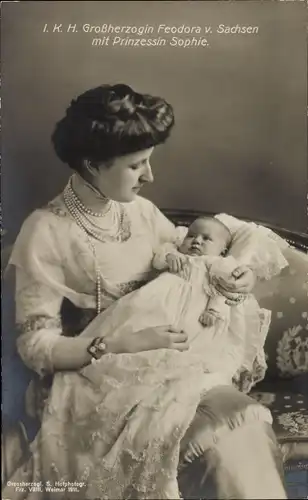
{"x": 80, "y": 214}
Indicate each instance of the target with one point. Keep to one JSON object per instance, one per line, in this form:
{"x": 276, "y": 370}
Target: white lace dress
{"x": 84, "y": 436}
{"x": 232, "y": 347}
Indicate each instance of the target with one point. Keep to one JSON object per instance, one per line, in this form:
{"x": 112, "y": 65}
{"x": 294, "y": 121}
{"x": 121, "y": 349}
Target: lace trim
{"x": 38, "y": 322}
{"x": 37, "y": 336}
{"x": 125, "y": 222}
{"x": 269, "y": 269}
{"x": 244, "y": 380}
{"x": 130, "y": 286}
{"x": 53, "y": 207}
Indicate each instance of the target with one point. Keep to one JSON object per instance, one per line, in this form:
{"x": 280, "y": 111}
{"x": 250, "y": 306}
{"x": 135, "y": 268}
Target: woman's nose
{"x": 147, "y": 175}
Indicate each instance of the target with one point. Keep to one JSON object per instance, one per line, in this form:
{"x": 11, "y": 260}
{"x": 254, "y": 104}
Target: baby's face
{"x": 204, "y": 237}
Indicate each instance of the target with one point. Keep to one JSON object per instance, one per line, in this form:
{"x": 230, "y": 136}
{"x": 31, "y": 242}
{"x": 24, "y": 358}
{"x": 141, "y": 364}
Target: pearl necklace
{"x": 76, "y": 200}
{"x": 98, "y": 284}
{"x": 80, "y": 214}
{"x": 77, "y": 210}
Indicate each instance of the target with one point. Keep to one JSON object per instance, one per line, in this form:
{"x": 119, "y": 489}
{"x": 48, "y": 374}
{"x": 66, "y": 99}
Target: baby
{"x": 187, "y": 297}
{"x": 206, "y": 243}
{"x": 147, "y": 400}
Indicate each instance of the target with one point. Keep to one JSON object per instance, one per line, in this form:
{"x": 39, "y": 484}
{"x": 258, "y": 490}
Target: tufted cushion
{"x": 296, "y": 474}
{"x": 286, "y": 296}
{"x": 289, "y": 409}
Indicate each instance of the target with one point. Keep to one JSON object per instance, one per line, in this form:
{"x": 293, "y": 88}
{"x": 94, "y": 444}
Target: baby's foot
{"x": 209, "y": 317}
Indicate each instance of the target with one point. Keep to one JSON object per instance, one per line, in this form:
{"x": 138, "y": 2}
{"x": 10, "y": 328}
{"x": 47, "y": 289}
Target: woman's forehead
{"x": 136, "y": 157}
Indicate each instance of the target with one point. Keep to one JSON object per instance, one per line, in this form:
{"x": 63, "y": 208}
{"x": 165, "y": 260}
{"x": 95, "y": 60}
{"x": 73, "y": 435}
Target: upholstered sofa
{"x": 284, "y": 389}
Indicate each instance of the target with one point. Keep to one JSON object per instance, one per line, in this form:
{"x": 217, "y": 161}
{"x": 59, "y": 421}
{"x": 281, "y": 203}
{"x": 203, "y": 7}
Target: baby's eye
{"x": 206, "y": 238}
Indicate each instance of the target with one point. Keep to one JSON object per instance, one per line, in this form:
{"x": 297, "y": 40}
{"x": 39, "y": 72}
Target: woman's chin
{"x": 127, "y": 198}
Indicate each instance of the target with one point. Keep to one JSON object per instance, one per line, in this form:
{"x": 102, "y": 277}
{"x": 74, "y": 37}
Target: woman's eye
{"x": 135, "y": 166}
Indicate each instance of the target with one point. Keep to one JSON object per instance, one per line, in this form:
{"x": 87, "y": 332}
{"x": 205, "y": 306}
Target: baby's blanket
{"x": 147, "y": 401}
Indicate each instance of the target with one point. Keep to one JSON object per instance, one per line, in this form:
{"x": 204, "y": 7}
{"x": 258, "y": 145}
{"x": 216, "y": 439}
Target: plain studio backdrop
{"x": 239, "y": 144}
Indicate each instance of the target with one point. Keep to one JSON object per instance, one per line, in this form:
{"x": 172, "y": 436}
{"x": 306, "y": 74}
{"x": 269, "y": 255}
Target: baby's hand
{"x": 175, "y": 263}
{"x": 209, "y": 317}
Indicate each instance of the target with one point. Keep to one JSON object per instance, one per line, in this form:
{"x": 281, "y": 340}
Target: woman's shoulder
{"x": 144, "y": 208}
{"x": 142, "y": 202}
{"x": 41, "y": 216}
{"x": 42, "y": 221}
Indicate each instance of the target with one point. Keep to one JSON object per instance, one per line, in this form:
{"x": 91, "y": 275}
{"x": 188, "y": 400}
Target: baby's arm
{"x": 216, "y": 267}
{"x": 164, "y": 255}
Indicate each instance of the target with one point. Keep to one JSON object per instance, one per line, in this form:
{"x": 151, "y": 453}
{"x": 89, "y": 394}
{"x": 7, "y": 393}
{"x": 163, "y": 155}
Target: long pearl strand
{"x": 77, "y": 210}
{"x": 80, "y": 214}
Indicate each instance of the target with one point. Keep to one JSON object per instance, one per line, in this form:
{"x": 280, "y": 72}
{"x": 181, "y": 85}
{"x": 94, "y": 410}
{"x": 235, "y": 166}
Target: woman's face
{"x": 125, "y": 177}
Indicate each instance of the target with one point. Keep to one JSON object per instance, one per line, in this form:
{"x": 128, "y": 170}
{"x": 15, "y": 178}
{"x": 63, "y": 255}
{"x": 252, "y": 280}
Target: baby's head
{"x": 206, "y": 236}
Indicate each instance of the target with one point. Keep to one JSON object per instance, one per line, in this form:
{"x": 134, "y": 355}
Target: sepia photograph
{"x": 154, "y": 249}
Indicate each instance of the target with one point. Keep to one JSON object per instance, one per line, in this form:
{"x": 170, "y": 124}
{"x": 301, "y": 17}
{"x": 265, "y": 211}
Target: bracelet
{"x": 97, "y": 347}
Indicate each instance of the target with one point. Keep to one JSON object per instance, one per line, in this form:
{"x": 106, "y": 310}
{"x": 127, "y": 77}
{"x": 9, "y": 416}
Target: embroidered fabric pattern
{"x": 123, "y": 234}
{"x": 38, "y": 322}
{"x": 122, "y": 288}
{"x": 245, "y": 380}
{"x": 295, "y": 423}
{"x": 56, "y": 209}
{"x": 131, "y": 454}
{"x": 37, "y": 337}
{"x": 130, "y": 286}
{"x": 292, "y": 351}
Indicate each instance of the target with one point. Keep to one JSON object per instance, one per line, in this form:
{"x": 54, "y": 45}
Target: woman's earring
{"x": 92, "y": 171}
{"x": 88, "y": 165}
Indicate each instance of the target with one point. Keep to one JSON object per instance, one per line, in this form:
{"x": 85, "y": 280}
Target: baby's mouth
{"x": 195, "y": 249}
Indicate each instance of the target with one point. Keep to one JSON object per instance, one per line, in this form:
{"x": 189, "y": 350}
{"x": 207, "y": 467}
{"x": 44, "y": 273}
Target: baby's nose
{"x": 198, "y": 238}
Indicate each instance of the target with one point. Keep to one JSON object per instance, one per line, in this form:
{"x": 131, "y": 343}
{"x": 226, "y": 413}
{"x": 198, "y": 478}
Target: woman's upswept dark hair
{"x": 110, "y": 121}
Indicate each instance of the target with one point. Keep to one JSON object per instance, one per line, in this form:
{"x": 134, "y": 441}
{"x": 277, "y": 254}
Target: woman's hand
{"x": 241, "y": 281}
{"x": 161, "y": 337}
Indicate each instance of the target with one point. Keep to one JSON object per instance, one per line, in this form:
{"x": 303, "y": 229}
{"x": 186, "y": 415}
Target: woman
{"x": 91, "y": 245}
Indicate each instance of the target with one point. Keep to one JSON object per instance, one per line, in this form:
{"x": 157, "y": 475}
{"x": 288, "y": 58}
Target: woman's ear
{"x": 90, "y": 168}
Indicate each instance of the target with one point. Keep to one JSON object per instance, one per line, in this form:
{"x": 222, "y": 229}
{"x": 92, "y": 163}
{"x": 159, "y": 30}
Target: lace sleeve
{"x": 256, "y": 246}
{"x": 38, "y": 322}
{"x": 39, "y": 277}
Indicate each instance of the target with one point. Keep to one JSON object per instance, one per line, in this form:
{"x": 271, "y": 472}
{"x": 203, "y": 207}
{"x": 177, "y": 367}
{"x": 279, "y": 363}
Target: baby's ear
{"x": 227, "y": 249}
{"x": 224, "y": 253}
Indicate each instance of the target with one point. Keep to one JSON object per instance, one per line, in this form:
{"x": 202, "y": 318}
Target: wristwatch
{"x": 97, "y": 347}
